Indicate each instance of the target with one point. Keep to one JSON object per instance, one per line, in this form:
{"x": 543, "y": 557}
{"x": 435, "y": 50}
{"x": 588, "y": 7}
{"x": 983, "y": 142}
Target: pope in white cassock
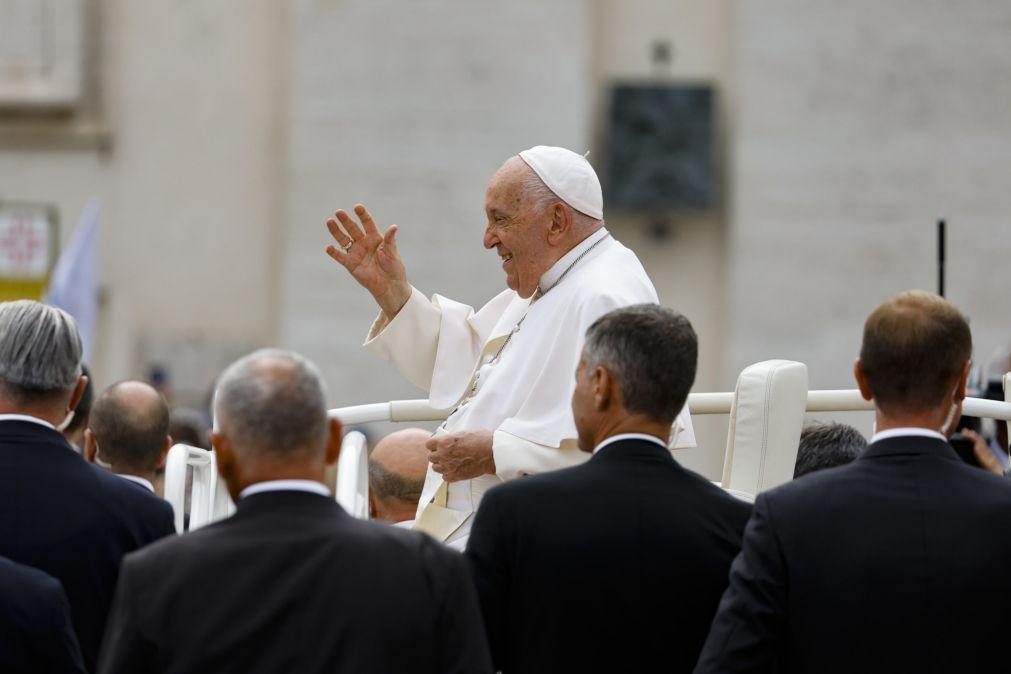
{"x": 506, "y": 370}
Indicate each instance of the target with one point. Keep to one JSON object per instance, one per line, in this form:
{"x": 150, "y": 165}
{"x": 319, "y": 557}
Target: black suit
{"x": 615, "y": 565}
{"x": 72, "y": 520}
{"x": 291, "y": 583}
{"x": 36, "y": 636}
{"x": 898, "y": 562}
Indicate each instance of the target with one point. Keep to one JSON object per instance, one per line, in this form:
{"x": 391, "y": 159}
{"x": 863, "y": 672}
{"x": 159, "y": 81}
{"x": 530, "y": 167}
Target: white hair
{"x": 272, "y": 402}
{"x": 40, "y": 349}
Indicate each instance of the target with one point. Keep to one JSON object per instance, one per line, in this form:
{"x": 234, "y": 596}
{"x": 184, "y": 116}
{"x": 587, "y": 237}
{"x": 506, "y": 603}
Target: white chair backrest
{"x": 353, "y": 476}
{"x": 208, "y": 502}
{"x": 765, "y": 423}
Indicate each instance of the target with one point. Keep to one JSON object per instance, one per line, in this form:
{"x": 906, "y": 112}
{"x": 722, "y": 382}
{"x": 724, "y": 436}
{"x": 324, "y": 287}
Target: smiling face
{"x": 518, "y": 228}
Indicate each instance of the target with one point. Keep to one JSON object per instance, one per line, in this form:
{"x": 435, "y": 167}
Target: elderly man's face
{"x": 516, "y": 231}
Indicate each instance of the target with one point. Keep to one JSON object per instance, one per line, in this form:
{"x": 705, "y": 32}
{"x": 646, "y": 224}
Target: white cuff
{"x": 516, "y": 457}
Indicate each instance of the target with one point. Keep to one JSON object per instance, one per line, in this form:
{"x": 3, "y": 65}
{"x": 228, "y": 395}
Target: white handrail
{"x": 352, "y": 491}
{"x": 838, "y": 400}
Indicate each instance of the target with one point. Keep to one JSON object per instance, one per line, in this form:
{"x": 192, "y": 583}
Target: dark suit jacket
{"x": 36, "y": 636}
{"x": 898, "y": 562}
{"x": 72, "y": 520}
{"x": 615, "y": 565}
{"x": 291, "y": 583}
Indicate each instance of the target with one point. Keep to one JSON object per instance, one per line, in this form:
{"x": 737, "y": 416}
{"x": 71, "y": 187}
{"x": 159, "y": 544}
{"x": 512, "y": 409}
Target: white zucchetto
{"x": 569, "y": 176}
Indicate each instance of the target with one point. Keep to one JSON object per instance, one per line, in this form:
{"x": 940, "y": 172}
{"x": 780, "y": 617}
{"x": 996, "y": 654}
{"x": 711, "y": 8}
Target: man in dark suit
{"x": 897, "y": 562}
{"x": 290, "y": 583}
{"x": 616, "y": 565}
{"x": 58, "y": 513}
{"x": 36, "y": 636}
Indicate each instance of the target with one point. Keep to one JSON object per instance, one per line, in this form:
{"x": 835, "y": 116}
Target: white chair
{"x": 208, "y": 502}
{"x": 766, "y": 418}
{"x": 353, "y": 476}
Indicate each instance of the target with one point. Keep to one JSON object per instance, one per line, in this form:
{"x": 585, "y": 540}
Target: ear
{"x": 333, "y": 442}
{"x": 164, "y": 452}
{"x": 604, "y": 384}
{"x": 227, "y": 467}
{"x": 961, "y": 388}
{"x": 858, "y": 373}
{"x": 372, "y": 505}
{"x": 561, "y": 224}
{"x": 90, "y": 446}
{"x": 75, "y": 397}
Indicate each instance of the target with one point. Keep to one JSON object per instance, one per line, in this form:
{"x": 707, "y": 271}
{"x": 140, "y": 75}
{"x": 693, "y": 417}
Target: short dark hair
{"x": 652, "y": 351}
{"x": 387, "y": 485}
{"x": 129, "y": 435}
{"x": 827, "y": 446}
{"x": 914, "y": 347}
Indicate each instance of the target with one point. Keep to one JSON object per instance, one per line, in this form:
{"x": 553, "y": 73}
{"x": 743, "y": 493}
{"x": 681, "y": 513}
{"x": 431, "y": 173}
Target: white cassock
{"x": 523, "y": 396}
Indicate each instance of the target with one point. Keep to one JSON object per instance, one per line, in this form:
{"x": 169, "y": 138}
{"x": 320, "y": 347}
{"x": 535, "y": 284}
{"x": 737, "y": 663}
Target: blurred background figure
{"x": 128, "y": 433}
{"x": 397, "y": 468}
{"x": 827, "y": 445}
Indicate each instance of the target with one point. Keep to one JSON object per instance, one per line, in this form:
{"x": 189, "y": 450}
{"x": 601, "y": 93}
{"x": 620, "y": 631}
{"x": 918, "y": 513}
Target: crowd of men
{"x": 586, "y": 547}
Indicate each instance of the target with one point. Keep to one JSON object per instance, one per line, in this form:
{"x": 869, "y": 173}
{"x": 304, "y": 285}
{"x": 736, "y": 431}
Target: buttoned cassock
{"x": 523, "y": 395}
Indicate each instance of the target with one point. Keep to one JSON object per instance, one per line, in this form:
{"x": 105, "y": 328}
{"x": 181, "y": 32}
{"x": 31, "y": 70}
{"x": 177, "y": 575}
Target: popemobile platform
{"x": 766, "y": 414}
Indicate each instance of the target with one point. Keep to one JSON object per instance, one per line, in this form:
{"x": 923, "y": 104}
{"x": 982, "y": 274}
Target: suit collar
{"x": 910, "y": 445}
{"x": 37, "y": 430}
{"x": 273, "y": 501}
{"x": 629, "y": 436}
{"x": 633, "y": 448}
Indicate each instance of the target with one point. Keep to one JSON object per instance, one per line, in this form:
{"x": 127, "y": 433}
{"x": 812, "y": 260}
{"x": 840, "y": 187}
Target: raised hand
{"x": 371, "y": 257}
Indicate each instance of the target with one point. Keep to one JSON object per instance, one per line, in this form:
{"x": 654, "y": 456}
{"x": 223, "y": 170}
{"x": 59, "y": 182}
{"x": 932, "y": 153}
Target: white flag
{"x": 73, "y": 286}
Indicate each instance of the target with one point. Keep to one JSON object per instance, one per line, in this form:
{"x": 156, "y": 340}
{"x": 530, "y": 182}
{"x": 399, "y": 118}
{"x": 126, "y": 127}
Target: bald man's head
{"x": 129, "y": 424}
{"x": 397, "y": 468}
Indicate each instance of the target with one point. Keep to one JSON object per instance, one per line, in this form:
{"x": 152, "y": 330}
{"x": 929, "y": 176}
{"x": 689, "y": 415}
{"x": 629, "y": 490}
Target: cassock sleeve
{"x": 124, "y": 649}
{"x": 749, "y": 622}
{"x": 515, "y": 457}
{"x": 410, "y": 341}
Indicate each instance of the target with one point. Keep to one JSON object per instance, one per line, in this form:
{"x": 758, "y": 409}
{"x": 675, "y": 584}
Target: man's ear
{"x": 90, "y": 446}
{"x": 961, "y": 388}
{"x": 858, "y": 373}
{"x": 164, "y": 452}
{"x": 225, "y": 457}
{"x": 603, "y": 383}
{"x": 75, "y": 397}
{"x": 561, "y": 224}
{"x": 334, "y": 440}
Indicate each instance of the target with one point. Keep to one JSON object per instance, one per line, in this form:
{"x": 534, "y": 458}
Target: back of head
{"x": 397, "y": 468}
{"x": 652, "y": 351}
{"x": 40, "y": 353}
{"x": 827, "y": 446}
{"x": 915, "y": 346}
{"x": 129, "y": 421}
{"x": 272, "y": 406}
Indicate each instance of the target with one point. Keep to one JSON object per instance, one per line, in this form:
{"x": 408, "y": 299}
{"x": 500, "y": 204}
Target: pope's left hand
{"x": 462, "y": 456}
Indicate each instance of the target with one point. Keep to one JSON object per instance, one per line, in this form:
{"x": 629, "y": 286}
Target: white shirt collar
{"x": 25, "y": 417}
{"x": 911, "y": 430}
{"x": 551, "y": 276}
{"x": 139, "y": 480}
{"x": 629, "y": 436}
{"x": 406, "y": 524}
{"x": 285, "y": 485}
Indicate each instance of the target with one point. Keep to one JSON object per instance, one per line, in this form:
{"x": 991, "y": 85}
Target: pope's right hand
{"x": 371, "y": 257}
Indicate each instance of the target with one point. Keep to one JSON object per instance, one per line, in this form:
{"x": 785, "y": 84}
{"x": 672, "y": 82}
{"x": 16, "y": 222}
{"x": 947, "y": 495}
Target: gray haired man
{"x": 291, "y": 583}
{"x": 57, "y": 512}
{"x": 397, "y": 468}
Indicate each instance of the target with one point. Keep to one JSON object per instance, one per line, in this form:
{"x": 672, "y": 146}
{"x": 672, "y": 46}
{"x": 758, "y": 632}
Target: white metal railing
{"x": 209, "y": 500}
{"x": 841, "y": 400}
{"x": 352, "y": 491}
